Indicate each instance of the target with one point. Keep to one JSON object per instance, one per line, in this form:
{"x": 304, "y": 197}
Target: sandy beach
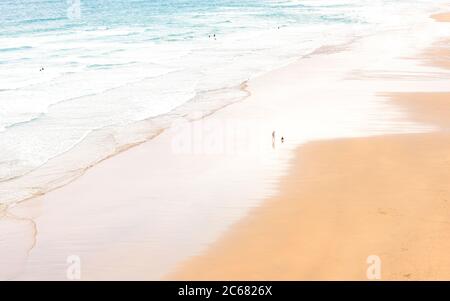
{"x": 345, "y": 200}
{"x": 363, "y": 170}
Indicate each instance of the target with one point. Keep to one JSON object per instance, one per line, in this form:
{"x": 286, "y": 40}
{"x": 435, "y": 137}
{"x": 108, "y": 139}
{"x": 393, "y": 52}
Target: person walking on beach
{"x": 273, "y": 139}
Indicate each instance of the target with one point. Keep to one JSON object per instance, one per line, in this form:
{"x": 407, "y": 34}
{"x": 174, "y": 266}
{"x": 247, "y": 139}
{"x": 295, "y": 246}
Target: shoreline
{"x": 122, "y": 148}
{"x": 324, "y": 49}
{"x": 141, "y": 213}
{"x": 345, "y": 200}
{"x": 42, "y": 170}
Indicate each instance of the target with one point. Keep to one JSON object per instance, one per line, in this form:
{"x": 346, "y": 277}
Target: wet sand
{"x": 432, "y": 108}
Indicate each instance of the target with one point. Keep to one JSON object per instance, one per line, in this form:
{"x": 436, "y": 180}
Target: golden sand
{"x": 343, "y": 201}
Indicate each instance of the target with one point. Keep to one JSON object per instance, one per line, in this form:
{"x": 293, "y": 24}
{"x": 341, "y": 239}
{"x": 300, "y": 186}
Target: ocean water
{"x": 82, "y": 80}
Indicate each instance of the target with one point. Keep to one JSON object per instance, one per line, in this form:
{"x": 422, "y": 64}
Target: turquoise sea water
{"x": 162, "y": 19}
{"x": 80, "y": 79}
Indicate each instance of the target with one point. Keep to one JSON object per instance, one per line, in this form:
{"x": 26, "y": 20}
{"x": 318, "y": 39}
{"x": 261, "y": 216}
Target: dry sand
{"x": 343, "y": 201}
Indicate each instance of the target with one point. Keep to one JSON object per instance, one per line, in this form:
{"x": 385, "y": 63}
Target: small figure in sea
{"x": 282, "y": 139}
